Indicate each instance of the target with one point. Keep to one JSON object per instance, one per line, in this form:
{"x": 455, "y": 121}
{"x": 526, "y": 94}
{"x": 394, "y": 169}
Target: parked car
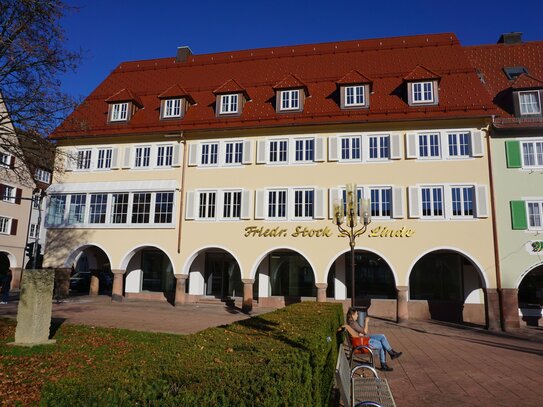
{"x": 80, "y": 281}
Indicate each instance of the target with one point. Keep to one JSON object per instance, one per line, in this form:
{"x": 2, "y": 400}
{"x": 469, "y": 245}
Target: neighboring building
{"x": 214, "y": 176}
{"x": 512, "y": 71}
{"x": 18, "y": 214}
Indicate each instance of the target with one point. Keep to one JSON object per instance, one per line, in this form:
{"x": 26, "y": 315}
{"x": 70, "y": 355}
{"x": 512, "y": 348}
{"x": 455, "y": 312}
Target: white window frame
{"x": 536, "y": 155}
{"x": 423, "y": 91}
{"x": 32, "y": 230}
{"x": 458, "y": 145}
{"x": 234, "y": 153}
{"x": 210, "y": 210}
{"x": 128, "y": 205}
{"x": 5, "y": 225}
{"x": 11, "y": 196}
{"x": 206, "y": 150}
{"x": 119, "y": 112}
{"x": 378, "y": 212}
{"x": 277, "y": 203}
{"x": 64, "y": 199}
{"x": 155, "y": 203}
{"x": 106, "y": 159}
{"x": 303, "y": 203}
{"x": 289, "y": 100}
{"x": 536, "y": 204}
{"x": 141, "y": 159}
{"x": 522, "y": 106}
{"x": 164, "y": 155}
{"x": 304, "y": 150}
{"x": 350, "y": 139}
{"x": 279, "y": 152}
{"x": 358, "y": 91}
{"x": 172, "y": 108}
{"x": 42, "y": 175}
{"x": 84, "y": 159}
{"x": 229, "y": 103}
{"x": 428, "y": 136}
{"x": 462, "y": 202}
{"x": 84, "y": 205}
{"x": 230, "y": 205}
{"x": 5, "y": 159}
{"x": 379, "y": 148}
{"x": 432, "y": 202}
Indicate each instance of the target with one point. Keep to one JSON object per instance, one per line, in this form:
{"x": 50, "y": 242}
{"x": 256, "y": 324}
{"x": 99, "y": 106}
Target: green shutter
{"x": 518, "y": 215}
{"x": 512, "y": 148}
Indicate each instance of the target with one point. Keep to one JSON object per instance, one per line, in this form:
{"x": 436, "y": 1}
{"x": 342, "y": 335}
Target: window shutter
{"x": 397, "y": 203}
{"x": 193, "y": 155}
{"x": 18, "y": 194}
{"x": 189, "y": 205}
{"x": 260, "y": 204}
{"x": 512, "y": 150}
{"x": 176, "y": 161}
{"x": 12, "y": 162}
{"x": 332, "y": 148}
{"x": 319, "y": 149}
{"x": 334, "y": 194}
{"x": 518, "y": 215}
{"x": 126, "y": 162}
{"x": 319, "y": 204}
{"x": 2, "y": 191}
{"x": 395, "y": 147}
{"x": 411, "y": 145}
{"x": 477, "y": 146}
{"x": 261, "y": 153}
{"x": 245, "y": 204}
{"x": 247, "y": 152}
{"x": 13, "y": 230}
{"x": 481, "y": 201}
{"x": 70, "y": 159}
{"x": 115, "y": 158}
{"x": 414, "y": 207}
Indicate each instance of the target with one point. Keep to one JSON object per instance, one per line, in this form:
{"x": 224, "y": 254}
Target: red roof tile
{"x": 231, "y": 86}
{"x": 387, "y": 61}
{"x": 353, "y": 77}
{"x": 176, "y": 91}
{"x": 124, "y": 95}
{"x": 289, "y": 82}
{"x": 526, "y": 81}
{"x": 420, "y": 73}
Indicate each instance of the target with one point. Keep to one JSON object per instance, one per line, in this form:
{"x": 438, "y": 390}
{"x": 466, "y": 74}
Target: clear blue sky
{"x": 112, "y": 31}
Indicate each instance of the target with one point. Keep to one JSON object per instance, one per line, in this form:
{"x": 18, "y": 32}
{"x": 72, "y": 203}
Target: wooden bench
{"x": 361, "y": 385}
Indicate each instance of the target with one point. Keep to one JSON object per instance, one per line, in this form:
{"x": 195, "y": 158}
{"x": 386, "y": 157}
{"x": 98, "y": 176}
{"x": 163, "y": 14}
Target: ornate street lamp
{"x": 355, "y": 208}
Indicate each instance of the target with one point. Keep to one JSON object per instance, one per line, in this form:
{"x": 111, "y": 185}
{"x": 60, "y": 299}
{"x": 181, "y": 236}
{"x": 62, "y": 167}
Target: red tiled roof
{"x": 387, "y": 61}
{"x": 290, "y": 82}
{"x": 353, "y": 77}
{"x": 419, "y": 73}
{"x": 124, "y": 95}
{"x": 490, "y": 61}
{"x": 526, "y": 81}
{"x": 231, "y": 86}
{"x": 176, "y": 91}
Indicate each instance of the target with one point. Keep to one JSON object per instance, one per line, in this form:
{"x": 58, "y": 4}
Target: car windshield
{"x": 80, "y": 274}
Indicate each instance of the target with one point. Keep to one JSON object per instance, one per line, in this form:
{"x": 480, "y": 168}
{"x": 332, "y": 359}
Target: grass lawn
{"x": 272, "y": 359}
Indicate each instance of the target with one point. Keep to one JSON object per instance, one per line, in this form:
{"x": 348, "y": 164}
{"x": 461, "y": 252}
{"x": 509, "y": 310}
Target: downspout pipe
{"x": 182, "y": 190}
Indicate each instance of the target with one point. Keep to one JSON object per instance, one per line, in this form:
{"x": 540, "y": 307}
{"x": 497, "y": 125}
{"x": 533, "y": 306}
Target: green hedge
{"x": 284, "y": 358}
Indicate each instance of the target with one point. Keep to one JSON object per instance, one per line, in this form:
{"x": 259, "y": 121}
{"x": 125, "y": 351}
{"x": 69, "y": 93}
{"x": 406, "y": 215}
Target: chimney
{"x": 510, "y": 38}
{"x": 183, "y": 53}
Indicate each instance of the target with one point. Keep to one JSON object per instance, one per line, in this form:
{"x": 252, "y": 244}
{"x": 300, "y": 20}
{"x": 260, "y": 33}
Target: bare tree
{"x": 32, "y": 57}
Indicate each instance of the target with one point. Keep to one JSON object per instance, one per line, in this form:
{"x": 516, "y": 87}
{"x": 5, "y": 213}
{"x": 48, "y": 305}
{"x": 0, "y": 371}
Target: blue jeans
{"x": 379, "y": 342}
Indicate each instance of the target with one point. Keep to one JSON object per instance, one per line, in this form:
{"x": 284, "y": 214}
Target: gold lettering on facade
{"x": 306, "y": 232}
{"x": 253, "y": 231}
{"x": 385, "y": 231}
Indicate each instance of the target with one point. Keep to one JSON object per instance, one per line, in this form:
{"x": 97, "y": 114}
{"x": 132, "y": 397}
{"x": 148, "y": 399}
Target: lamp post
{"x": 37, "y": 197}
{"x": 355, "y": 208}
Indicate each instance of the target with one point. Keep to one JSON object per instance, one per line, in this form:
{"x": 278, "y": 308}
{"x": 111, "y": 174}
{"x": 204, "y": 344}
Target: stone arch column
{"x": 180, "y": 288}
{"x": 118, "y": 285}
{"x": 321, "y": 291}
{"x": 402, "y": 311}
{"x": 247, "y": 294}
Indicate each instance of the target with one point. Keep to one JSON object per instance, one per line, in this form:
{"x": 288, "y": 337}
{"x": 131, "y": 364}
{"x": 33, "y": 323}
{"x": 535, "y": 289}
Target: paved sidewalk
{"x": 442, "y": 365}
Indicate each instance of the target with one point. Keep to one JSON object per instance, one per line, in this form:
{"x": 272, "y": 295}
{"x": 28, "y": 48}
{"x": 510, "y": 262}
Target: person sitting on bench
{"x": 377, "y": 341}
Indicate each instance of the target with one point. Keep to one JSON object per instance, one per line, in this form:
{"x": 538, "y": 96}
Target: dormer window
{"x": 119, "y": 112}
{"x": 172, "y": 108}
{"x": 529, "y": 103}
{"x": 229, "y": 104}
{"x": 290, "y": 99}
{"x": 423, "y": 92}
{"x": 354, "y": 96}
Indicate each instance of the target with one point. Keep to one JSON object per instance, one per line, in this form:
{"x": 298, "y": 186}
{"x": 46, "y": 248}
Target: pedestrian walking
{"x": 6, "y": 285}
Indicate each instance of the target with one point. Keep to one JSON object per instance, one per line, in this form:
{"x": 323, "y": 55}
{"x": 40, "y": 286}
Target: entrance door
{"x": 222, "y": 276}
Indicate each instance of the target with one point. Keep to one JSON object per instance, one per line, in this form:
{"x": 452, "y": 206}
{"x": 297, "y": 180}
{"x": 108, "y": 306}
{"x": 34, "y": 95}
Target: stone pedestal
{"x": 180, "y": 289}
{"x": 492, "y": 309}
{"x": 321, "y": 291}
{"x": 118, "y": 285}
{"x": 35, "y": 307}
{"x": 509, "y": 304}
{"x": 94, "y": 284}
{"x": 247, "y": 304}
{"x": 16, "y": 278}
{"x": 402, "y": 310}
{"x": 62, "y": 283}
